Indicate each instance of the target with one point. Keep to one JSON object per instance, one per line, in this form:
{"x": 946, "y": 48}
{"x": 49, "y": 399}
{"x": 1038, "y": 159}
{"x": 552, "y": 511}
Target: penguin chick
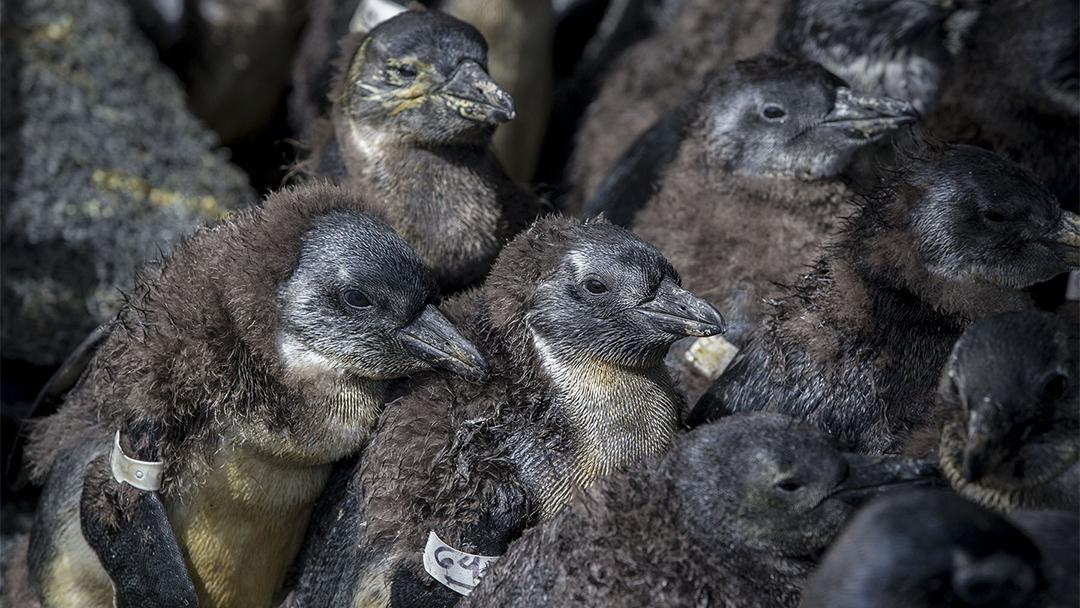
{"x": 248, "y": 362}
{"x": 1016, "y": 91}
{"x": 755, "y": 190}
{"x": 1010, "y": 436}
{"x": 734, "y": 515}
{"x": 654, "y": 75}
{"x": 856, "y": 346}
{"x": 899, "y": 49}
{"x": 575, "y": 320}
{"x": 926, "y": 548}
{"x": 410, "y": 128}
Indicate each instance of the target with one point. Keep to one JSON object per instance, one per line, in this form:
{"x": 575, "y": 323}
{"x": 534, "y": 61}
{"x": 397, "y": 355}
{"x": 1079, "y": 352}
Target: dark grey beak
{"x": 982, "y": 447}
{"x": 475, "y": 96}
{"x": 871, "y": 476}
{"x": 868, "y": 117}
{"x": 1067, "y": 238}
{"x": 433, "y": 339}
{"x": 679, "y": 312}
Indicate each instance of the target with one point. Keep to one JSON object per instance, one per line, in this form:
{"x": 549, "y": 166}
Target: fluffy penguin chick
{"x": 575, "y": 320}
{"x": 248, "y": 362}
{"x": 1010, "y": 437}
{"x": 901, "y": 49}
{"x": 653, "y": 76}
{"x": 754, "y": 191}
{"x": 1016, "y": 91}
{"x": 734, "y": 515}
{"x": 930, "y": 549}
{"x": 413, "y": 113}
{"x": 857, "y": 345}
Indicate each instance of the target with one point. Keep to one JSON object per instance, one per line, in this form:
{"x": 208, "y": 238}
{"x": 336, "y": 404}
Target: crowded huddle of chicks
{"x": 796, "y": 335}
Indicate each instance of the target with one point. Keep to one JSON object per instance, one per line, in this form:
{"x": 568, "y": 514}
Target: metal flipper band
{"x": 456, "y": 570}
{"x": 137, "y": 473}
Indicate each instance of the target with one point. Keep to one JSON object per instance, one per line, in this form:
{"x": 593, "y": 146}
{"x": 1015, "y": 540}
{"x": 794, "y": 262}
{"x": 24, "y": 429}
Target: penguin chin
{"x": 303, "y": 363}
{"x": 1053, "y": 455}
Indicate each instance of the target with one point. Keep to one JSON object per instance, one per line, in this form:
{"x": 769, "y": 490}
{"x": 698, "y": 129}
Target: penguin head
{"x": 594, "y": 291}
{"x": 359, "y": 302}
{"x": 773, "y": 115}
{"x": 422, "y": 77}
{"x": 924, "y": 548}
{"x": 1032, "y": 49}
{"x": 899, "y": 48}
{"x": 1010, "y": 389}
{"x": 774, "y": 484}
{"x": 977, "y": 217}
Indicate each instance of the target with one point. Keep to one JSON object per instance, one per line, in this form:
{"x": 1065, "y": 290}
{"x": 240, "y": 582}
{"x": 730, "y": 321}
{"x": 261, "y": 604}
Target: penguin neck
{"x": 334, "y": 410}
{"x": 887, "y": 261}
{"x": 453, "y": 203}
{"x": 374, "y": 153}
{"x": 722, "y": 165}
{"x": 615, "y": 414}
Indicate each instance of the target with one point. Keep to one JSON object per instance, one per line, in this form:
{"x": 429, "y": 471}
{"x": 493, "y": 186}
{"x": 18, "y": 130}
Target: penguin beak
{"x": 867, "y": 117}
{"x": 473, "y": 94}
{"x": 982, "y": 452}
{"x": 1067, "y": 238}
{"x": 871, "y": 476}
{"x": 678, "y": 312}
{"x": 434, "y": 340}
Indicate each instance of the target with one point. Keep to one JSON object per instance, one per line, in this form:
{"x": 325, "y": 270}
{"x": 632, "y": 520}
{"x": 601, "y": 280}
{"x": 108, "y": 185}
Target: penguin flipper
{"x": 51, "y": 396}
{"x": 505, "y": 514}
{"x": 636, "y": 176}
{"x": 128, "y": 530}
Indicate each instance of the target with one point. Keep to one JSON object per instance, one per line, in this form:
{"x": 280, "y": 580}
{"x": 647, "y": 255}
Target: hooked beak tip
{"x": 679, "y": 312}
{"x": 431, "y": 338}
{"x": 475, "y": 96}
{"x": 869, "y": 117}
{"x": 1067, "y": 237}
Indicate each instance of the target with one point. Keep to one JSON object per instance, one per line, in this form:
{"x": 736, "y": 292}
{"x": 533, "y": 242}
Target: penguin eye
{"x": 404, "y": 70}
{"x": 994, "y": 216}
{"x": 788, "y": 485}
{"x": 773, "y": 112}
{"x": 1053, "y": 387}
{"x": 354, "y": 298}
{"x": 595, "y": 286}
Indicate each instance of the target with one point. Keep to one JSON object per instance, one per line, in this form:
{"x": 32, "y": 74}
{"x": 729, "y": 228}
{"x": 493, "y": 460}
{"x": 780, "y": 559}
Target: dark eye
{"x": 404, "y": 70}
{"x": 595, "y": 286}
{"x": 354, "y": 298}
{"x": 994, "y": 216}
{"x": 773, "y": 112}
{"x": 1053, "y": 387}
{"x": 789, "y": 485}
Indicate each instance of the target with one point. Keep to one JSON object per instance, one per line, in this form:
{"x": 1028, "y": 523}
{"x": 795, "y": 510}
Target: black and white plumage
{"x": 248, "y": 362}
{"x": 575, "y": 320}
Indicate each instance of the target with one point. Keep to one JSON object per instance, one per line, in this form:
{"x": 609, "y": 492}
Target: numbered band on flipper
{"x": 455, "y": 569}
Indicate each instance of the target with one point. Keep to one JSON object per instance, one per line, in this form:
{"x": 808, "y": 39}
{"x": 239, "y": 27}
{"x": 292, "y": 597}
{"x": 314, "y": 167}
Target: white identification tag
{"x": 373, "y": 12}
{"x": 137, "y": 473}
{"x": 711, "y": 356}
{"x": 455, "y": 569}
{"x": 1072, "y": 292}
